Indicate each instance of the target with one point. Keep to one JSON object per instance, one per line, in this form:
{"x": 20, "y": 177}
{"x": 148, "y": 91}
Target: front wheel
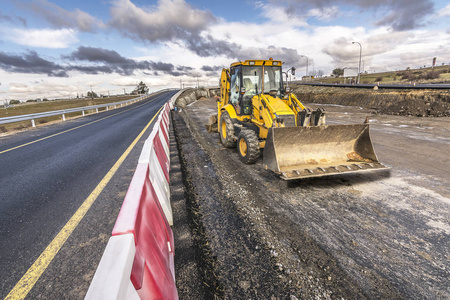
{"x": 248, "y": 146}
{"x": 226, "y": 130}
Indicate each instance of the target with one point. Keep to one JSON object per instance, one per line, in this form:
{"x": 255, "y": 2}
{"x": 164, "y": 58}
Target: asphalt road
{"x": 45, "y": 180}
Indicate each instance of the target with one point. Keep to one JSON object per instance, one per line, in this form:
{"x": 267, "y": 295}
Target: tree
{"x": 338, "y": 72}
{"x": 141, "y": 88}
{"x": 92, "y": 94}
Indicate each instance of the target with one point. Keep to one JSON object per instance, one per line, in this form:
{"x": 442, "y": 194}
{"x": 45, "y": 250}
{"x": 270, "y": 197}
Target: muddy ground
{"x": 252, "y": 235}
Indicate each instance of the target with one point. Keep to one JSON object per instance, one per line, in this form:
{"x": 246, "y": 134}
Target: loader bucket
{"x": 301, "y": 152}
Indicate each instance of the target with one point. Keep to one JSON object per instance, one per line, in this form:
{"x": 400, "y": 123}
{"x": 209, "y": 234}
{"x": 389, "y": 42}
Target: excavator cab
{"x": 250, "y": 80}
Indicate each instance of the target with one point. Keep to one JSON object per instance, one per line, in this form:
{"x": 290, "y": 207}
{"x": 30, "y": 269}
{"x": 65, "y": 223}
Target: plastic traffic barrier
{"x": 152, "y": 273}
{"x": 138, "y": 262}
{"x": 112, "y": 278}
{"x": 161, "y": 155}
{"x": 155, "y": 154}
{"x": 161, "y": 185}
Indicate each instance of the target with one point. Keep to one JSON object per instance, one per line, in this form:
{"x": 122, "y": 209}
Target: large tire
{"x": 248, "y": 146}
{"x": 226, "y": 131}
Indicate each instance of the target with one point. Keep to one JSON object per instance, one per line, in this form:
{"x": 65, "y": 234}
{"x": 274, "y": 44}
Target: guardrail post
{"x": 64, "y": 117}
{"x": 107, "y": 108}
{"x": 32, "y": 123}
{"x": 83, "y": 113}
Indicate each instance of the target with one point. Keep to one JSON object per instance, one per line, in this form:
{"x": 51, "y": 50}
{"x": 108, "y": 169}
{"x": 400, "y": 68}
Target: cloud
{"x": 30, "y": 62}
{"x": 400, "y": 15}
{"x": 324, "y": 14}
{"x": 444, "y": 11}
{"x": 209, "y": 46}
{"x": 212, "y": 68}
{"x": 102, "y": 61}
{"x": 12, "y": 19}
{"x": 212, "y": 71}
{"x": 406, "y": 14}
{"x": 344, "y": 53}
{"x": 111, "y": 61}
{"x": 289, "y": 56}
{"x": 169, "y": 21}
{"x": 129, "y": 81}
{"x": 43, "y": 89}
{"x": 62, "y": 18}
{"x": 281, "y": 15}
{"x": 42, "y": 38}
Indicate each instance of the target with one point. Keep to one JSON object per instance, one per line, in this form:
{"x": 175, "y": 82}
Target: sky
{"x": 62, "y": 48}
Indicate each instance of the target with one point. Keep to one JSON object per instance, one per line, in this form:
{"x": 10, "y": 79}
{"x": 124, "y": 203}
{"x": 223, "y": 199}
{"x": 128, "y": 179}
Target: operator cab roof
{"x": 258, "y": 62}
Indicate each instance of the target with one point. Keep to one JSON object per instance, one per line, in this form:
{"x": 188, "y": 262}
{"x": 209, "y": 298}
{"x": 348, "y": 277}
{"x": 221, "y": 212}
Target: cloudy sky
{"x": 61, "y": 48}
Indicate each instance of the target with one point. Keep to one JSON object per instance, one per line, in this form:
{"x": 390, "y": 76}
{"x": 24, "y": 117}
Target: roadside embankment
{"x": 376, "y": 235}
{"x": 191, "y": 95}
{"x": 426, "y": 103}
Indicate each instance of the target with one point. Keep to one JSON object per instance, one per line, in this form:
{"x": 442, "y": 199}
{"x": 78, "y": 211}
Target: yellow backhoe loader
{"x": 256, "y": 111}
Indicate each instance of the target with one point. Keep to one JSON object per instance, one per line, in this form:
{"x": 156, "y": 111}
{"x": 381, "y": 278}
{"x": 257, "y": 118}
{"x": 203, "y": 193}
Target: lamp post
{"x": 307, "y": 63}
{"x": 359, "y": 67}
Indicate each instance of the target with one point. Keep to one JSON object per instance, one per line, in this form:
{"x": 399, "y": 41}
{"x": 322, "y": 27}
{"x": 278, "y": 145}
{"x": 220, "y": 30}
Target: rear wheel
{"x": 226, "y": 130}
{"x": 248, "y": 146}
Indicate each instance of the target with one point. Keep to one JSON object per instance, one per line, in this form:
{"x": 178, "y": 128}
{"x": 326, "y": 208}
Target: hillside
{"x": 439, "y": 74}
{"x": 417, "y": 103}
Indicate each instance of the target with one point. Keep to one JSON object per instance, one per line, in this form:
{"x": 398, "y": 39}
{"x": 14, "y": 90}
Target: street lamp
{"x": 359, "y": 67}
{"x": 307, "y": 63}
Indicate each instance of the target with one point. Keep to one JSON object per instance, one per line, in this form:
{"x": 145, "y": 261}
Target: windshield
{"x": 252, "y": 77}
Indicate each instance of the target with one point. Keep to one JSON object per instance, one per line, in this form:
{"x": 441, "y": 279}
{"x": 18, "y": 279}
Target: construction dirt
{"x": 417, "y": 103}
{"x": 383, "y": 235}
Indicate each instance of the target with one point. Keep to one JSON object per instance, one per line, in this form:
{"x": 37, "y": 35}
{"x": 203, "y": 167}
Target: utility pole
{"x": 307, "y": 63}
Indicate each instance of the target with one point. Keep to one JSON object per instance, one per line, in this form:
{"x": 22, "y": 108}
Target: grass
{"x": 37, "y": 107}
{"x": 395, "y": 77}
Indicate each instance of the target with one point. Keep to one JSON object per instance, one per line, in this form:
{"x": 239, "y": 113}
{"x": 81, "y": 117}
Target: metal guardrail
{"x": 63, "y": 112}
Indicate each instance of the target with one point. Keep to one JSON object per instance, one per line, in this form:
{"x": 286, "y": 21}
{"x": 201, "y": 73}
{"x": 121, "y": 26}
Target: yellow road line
{"x": 65, "y": 131}
{"x": 26, "y": 283}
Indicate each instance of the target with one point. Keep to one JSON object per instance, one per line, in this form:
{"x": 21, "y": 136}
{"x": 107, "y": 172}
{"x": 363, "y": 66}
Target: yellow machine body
{"x": 296, "y": 141}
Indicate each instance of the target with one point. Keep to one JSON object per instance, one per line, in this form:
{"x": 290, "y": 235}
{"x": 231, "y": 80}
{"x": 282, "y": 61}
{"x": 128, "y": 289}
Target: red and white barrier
{"x": 153, "y": 273}
{"x": 139, "y": 259}
{"x": 113, "y": 272}
{"x": 156, "y": 154}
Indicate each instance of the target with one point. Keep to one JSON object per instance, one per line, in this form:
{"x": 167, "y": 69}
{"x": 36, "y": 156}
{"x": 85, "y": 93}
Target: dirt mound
{"x": 389, "y": 102}
{"x": 417, "y": 108}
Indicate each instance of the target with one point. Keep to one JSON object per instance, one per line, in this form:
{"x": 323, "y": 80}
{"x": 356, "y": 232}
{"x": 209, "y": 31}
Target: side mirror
{"x": 293, "y": 71}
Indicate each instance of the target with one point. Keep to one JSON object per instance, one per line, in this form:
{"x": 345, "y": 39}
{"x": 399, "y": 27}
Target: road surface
{"x": 45, "y": 176}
